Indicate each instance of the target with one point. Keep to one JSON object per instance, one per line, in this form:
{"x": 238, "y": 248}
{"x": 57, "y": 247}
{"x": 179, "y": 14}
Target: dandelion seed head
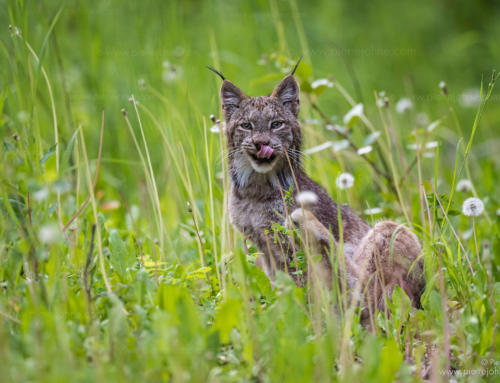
{"x": 403, "y": 105}
{"x": 422, "y": 119}
{"x": 443, "y": 87}
{"x": 472, "y": 207}
{"x": 344, "y": 181}
{"x": 373, "y": 211}
{"x": 23, "y": 116}
{"x": 48, "y": 233}
{"x": 498, "y": 211}
{"x": 470, "y": 98}
{"x": 464, "y": 186}
{"x": 171, "y": 72}
{"x": 41, "y": 194}
{"x": 306, "y": 198}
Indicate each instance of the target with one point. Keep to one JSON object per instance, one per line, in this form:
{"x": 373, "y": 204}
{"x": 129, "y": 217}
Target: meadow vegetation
{"x": 117, "y": 258}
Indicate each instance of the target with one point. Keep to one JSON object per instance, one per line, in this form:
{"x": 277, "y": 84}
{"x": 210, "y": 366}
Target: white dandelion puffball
{"x": 306, "y": 198}
{"x": 354, "y": 114}
{"x": 41, "y": 195}
{"x": 215, "y": 128}
{"x": 373, "y": 211}
{"x": 470, "y": 98}
{"x": 472, "y": 207}
{"x": 464, "y": 186}
{"x": 422, "y": 119}
{"x": 344, "y": 181}
{"x": 403, "y": 105}
{"x": 48, "y": 233}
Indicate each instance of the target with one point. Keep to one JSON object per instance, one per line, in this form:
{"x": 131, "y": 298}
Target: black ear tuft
{"x": 287, "y": 92}
{"x": 296, "y": 66}
{"x": 231, "y": 97}
{"x": 216, "y": 72}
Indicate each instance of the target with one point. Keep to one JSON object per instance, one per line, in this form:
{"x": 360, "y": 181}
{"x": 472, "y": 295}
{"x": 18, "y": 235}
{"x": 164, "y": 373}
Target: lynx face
{"x": 260, "y": 129}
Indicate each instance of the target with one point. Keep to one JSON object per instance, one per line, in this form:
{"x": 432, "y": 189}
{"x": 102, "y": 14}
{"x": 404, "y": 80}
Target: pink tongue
{"x": 265, "y": 152}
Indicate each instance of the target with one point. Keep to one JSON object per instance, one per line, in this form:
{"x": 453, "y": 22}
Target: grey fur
{"x": 256, "y": 202}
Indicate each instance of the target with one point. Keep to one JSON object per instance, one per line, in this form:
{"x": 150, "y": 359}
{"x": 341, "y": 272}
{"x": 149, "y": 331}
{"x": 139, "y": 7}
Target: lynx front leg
{"x": 320, "y": 240}
{"x": 274, "y": 257}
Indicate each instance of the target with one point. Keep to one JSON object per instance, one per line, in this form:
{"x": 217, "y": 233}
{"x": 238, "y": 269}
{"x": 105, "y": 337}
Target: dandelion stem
{"x": 475, "y": 239}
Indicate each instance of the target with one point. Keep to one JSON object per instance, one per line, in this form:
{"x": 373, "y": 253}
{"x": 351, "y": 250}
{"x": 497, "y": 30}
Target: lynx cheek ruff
{"x": 265, "y": 152}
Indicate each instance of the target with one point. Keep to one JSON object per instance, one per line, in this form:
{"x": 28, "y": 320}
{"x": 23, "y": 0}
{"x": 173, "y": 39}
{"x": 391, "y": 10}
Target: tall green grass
{"x": 117, "y": 258}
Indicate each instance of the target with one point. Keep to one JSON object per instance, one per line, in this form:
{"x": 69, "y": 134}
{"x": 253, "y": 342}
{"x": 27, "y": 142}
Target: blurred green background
{"x": 102, "y": 50}
{"x": 164, "y": 260}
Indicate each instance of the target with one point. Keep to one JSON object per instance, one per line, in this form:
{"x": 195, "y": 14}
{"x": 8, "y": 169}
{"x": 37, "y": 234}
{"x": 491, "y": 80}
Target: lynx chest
{"x": 254, "y": 216}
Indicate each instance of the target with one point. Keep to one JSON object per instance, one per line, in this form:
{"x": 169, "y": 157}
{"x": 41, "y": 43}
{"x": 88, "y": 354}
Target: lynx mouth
{"x": 263, "y": 160}
{"x": 262, "y": 165}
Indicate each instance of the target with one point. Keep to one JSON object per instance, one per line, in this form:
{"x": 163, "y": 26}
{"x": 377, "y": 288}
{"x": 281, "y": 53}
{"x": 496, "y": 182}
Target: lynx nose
{"x": 260, "y": 141}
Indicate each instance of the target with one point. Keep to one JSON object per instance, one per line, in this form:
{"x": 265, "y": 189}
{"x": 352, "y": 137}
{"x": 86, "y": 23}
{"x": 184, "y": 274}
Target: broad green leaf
{"x": 121, "y": 257}
{"x": 227, "y": 317}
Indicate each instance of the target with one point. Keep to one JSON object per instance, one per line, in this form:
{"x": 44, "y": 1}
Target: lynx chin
{"x": 264, "y": 140}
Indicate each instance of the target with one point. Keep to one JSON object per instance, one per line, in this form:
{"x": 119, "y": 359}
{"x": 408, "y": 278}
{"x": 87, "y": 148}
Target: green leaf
{"x": 261, "y": 280}
{"x": 435, "y": 304}
{"x": 120, "y": 257}
{"x": 67, "y": 152}
{"x": 199, "y": 273}
{"x": 53, "y": 208}
{"x": 2, "y": 101}
{"x": 390, "y": 361}
{"x": 48, "y": 154}
{"x": 227, "y": 317}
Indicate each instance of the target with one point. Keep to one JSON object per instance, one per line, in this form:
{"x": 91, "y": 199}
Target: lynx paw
{"x": 309, "y": 223}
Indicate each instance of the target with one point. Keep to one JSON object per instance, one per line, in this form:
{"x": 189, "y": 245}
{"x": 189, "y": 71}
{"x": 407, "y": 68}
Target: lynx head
{"x": 261, "y": 132}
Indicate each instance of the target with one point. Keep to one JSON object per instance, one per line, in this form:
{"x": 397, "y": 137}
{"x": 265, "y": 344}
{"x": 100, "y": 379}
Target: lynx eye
{"x": 246, "y": 125}
{"x": 276, "y": 124}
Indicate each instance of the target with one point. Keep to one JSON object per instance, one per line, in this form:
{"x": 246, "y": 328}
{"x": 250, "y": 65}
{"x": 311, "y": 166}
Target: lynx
{"x": 264, "y": 150}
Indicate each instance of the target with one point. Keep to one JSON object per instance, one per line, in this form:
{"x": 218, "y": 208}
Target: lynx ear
{"x": 231, "y": 97}
{"x": 287, "y": 92}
